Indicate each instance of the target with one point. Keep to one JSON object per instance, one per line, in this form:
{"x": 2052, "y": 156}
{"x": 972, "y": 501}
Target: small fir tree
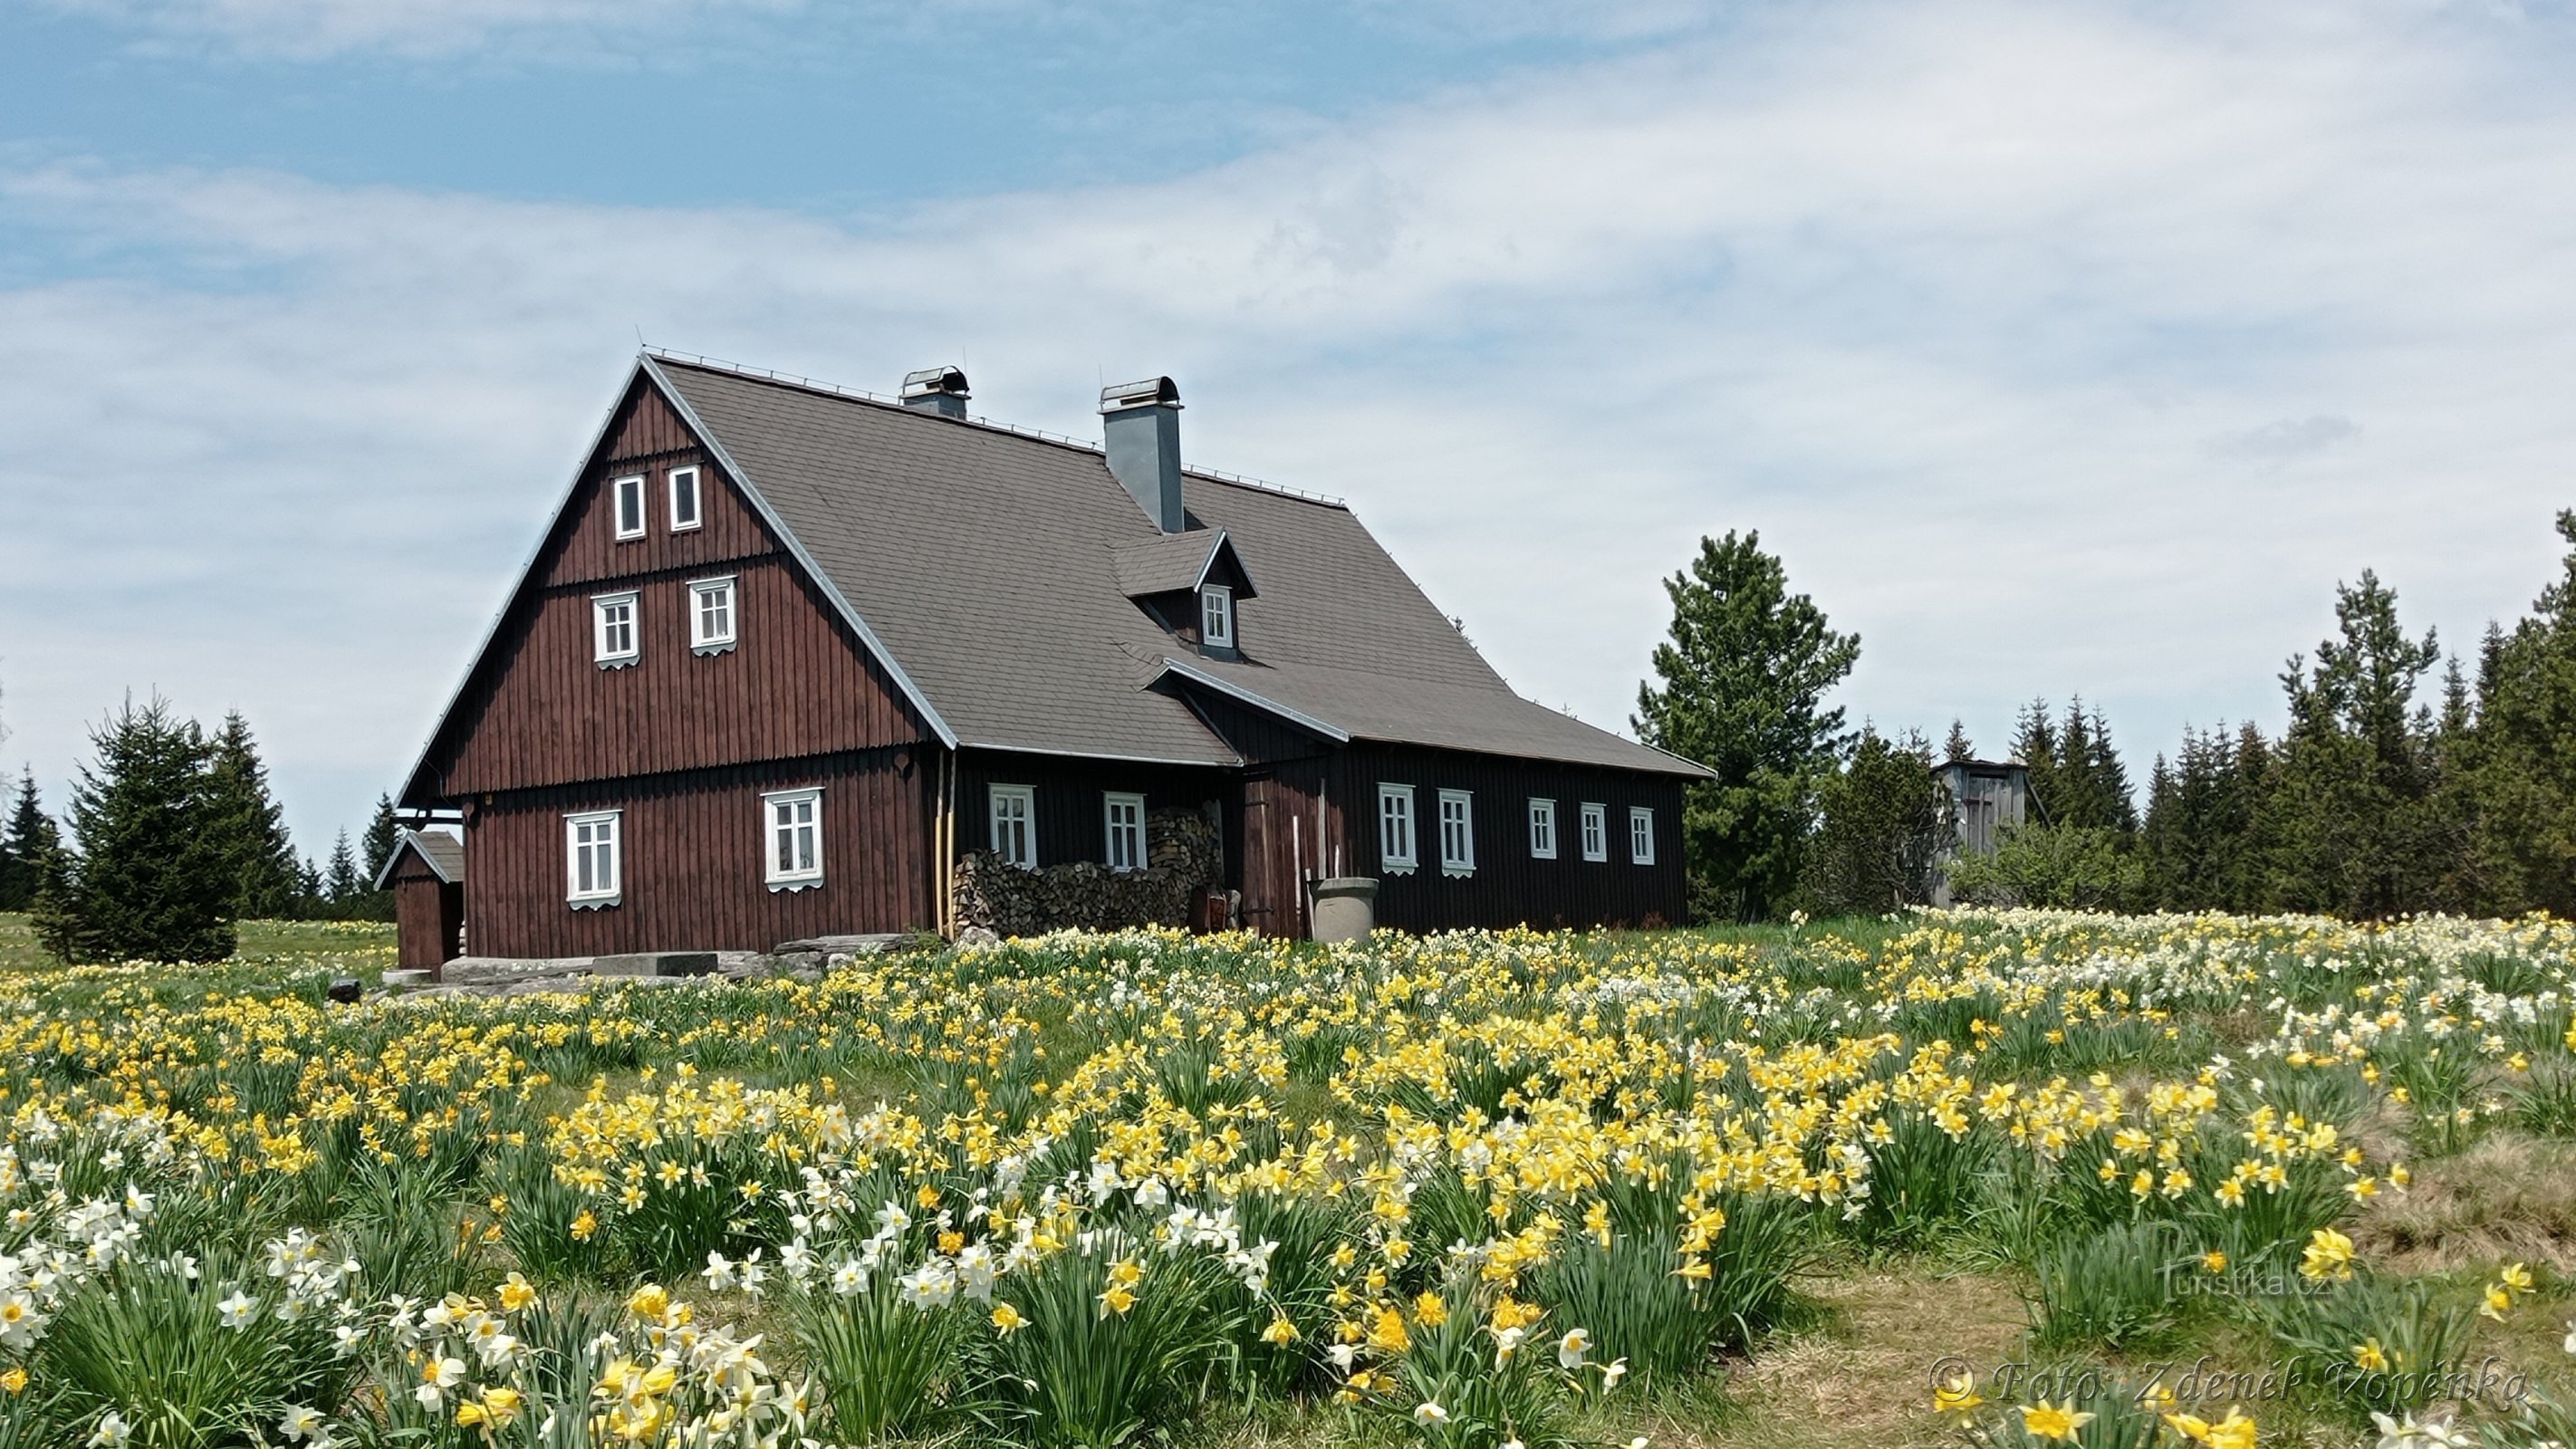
{"x": 145, "y": 875}
{"x": 27, "y": 839}
{"x": 251, "y": 826}
{"x": 341, "y": 885}
{"x": 381, "y": 835}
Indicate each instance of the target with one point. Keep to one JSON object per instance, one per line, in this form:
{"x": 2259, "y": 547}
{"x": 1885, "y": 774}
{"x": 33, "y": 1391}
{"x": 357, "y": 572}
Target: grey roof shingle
{"x": 444, "y": 853}
{"x": 996, "y": 568}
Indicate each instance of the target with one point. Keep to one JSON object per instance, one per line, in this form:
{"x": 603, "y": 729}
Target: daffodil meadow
{"x": 1486, "y": 1189}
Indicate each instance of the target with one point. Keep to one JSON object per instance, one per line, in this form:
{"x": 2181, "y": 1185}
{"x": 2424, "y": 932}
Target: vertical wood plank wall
{"x": 1071, "y": 822}
{"x": 796, "y": 684}
{"x": 540, "y": 710}
{"x": 422, "y": 930}
{"x": 1509, "y": 887}
{"x": 693, "y": 852}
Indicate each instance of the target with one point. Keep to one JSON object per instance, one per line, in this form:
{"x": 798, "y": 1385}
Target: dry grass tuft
{"x": 2507, "y": 1198}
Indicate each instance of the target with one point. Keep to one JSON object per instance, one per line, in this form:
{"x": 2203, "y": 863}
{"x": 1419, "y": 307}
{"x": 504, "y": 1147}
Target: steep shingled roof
{"x": 995, "y": 568}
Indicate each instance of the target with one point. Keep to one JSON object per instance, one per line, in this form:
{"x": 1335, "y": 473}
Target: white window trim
{"x": 1464, "y": 863}
{"x": 697, "y": 499}
{"x": 1542, "y": 817}
{"x": 1595, "y": 843}
{"x": 1223, "y": 597}
{"x": 599, "y": 651}
{"x": 1110, "y": 800}
{"x": 1641, "y": 844}
{"x": 617, "y": 506}
{"x": 602, "y": 893}
{"x": 1028, "y": 798}
{"x": 776, "y": 878}
{"x": 701, "y": 642}
{"x": 1389, "y": 861}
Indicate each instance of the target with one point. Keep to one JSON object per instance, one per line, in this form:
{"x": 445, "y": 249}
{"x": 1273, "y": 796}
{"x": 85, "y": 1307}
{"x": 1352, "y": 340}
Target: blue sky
{"x": 2058, "y": 347}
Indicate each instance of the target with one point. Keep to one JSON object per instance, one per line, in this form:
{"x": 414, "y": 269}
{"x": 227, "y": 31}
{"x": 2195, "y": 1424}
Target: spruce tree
{"x": 340, "y": 883}
{"x": 251, "y": 826}
{"x": 1742, "y": 680}
{"x": 381, "y": 835}
{"x": 145, "y": 875}
{"x": 1958, "y": 746}
{"x": 2357, "y": 769}
{"x": 27, "y": 839}
{"x": 2520, "y": 766}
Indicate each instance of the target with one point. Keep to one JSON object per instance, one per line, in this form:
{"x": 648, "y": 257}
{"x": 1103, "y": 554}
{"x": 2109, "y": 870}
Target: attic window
{"x": 1216, "y": 617}
{"x": 684, "y": 499}
{"x": 627, "y": 493}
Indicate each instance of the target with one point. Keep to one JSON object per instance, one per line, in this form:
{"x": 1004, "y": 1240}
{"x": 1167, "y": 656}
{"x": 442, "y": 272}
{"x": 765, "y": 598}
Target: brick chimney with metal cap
{"x": 1141, "y": 424}
{"x": 940, "y": 390}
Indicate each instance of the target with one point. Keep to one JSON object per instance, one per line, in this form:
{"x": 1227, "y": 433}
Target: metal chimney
{"x": 1141, "y": 424}
{"x": 940, "y": 390}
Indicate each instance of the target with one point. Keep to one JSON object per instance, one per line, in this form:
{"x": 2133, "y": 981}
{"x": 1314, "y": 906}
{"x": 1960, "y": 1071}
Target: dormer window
{"x": 1216, "y": 617}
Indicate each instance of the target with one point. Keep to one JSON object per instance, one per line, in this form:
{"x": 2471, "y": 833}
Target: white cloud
{"x": 1979, "y": 314}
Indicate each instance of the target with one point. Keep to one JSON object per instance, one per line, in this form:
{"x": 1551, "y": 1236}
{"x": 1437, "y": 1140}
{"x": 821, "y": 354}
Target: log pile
{"x": 1183, "y": 858}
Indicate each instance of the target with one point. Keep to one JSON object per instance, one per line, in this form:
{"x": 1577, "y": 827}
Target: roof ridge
{"x": 771, "y": 375}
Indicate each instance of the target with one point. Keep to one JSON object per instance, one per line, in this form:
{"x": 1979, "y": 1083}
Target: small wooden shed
{"x": 426, "y": 873}
{"x": 1985, "y": 796}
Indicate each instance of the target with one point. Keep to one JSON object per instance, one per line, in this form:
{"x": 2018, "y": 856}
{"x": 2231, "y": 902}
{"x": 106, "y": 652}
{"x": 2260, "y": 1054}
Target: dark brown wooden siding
{"x": 1072, "y": 821}
{"x": 648, "y": 438}
{"x": 692, "y": 867}
{"x": 542, "y": 712}
{"x": 1508, "y": 886}
{"x": 1291, "y": 822}
{"x": 427, "y": 913}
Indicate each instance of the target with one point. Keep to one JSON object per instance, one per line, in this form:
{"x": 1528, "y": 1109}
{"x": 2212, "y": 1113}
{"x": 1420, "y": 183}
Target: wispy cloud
{"x": 1951, "y": 305}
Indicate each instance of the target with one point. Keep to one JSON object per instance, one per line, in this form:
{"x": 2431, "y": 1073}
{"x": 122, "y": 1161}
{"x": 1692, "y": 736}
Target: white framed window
{"x": 612, "y": 630}
{"x": 684, "y": 500}
{"x": 1395, "y": 828}
{"x": 1596, "y": 831}
{"x": 1457, "y": 833}
{"x": 793, "y": 823}
{"x": 1641, "y": 835}
{"x": 626, "y": 497}
{"x": 593, "y": 867}
{"x": 1542, "y": 821}
{"x": 1015, "y": 824}
{"x": 711, "y": 615}
{"x": 1216, "y": 617}
{"x": 1125, "y": 819}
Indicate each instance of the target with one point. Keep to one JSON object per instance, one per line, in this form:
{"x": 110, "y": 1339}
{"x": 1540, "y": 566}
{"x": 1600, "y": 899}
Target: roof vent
{"x": 940, "y": 390}
{"x": 1141, "y": 425}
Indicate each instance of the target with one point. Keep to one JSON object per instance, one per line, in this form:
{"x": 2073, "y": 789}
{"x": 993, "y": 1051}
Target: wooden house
{"x": 786, "y": 654}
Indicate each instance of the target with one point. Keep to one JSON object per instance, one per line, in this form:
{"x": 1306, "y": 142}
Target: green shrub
{"x": 883, "y": 1369}
{"x": 2383, "y": 1346}
{"x": 1078, "y": 1374}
